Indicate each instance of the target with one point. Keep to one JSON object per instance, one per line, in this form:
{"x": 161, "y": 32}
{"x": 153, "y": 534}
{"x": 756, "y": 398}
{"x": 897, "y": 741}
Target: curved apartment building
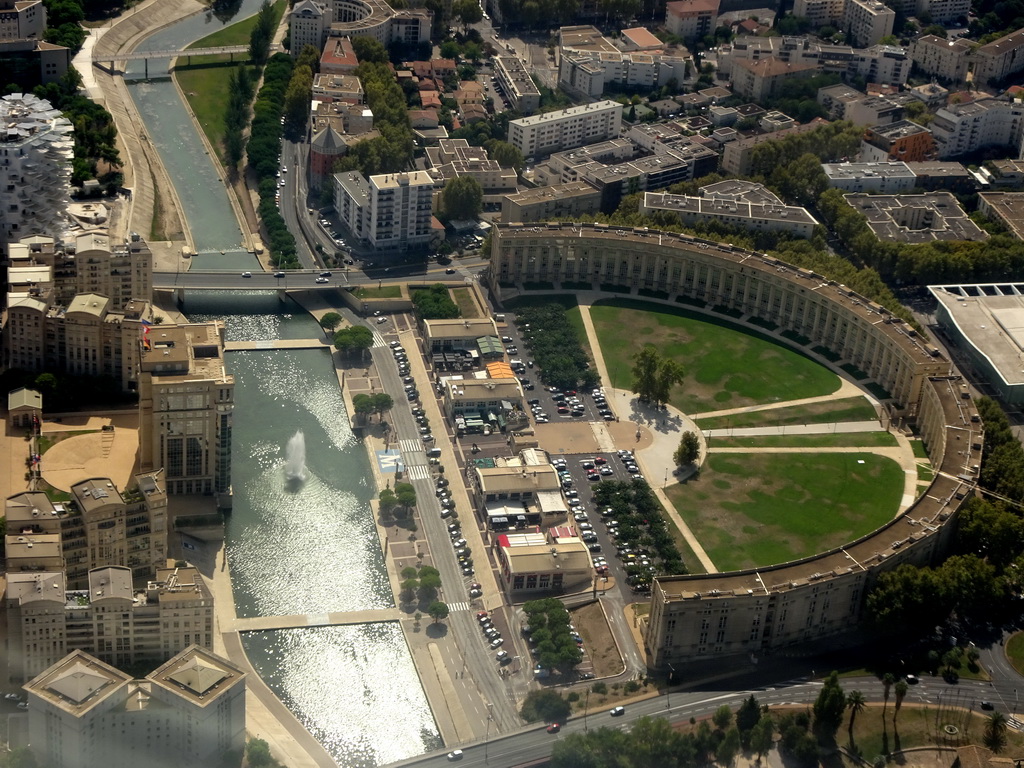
{"x": 762, "y": 610}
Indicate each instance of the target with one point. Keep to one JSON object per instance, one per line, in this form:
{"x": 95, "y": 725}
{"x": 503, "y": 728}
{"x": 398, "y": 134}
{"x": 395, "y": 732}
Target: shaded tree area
{"x": 262, "y": 34}
{"x": 64, "y": 24}
{"x": 548, "y": 628}
{"x": 67, "y": 392}
{"x": 241, "y": 89}
{"x": 356, "y": 338}
{"x": 435, "y": 303}
{"x": 264, "y": 154}
{"x": 544, "y": 705}
{"x": 798, "y": 97}
{"x": 556, "y": 347}
{"x": 462, "y": 198}
{"x": 95, "y": 134}
{"x": 654, "y": 376}
{"x": 641, "y": 523}
{"x": 539, "y": 13}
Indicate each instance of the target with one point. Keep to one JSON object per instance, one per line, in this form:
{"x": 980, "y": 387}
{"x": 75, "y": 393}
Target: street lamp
{"x": 668, "y": 688}
{"x": 488, "y": 731}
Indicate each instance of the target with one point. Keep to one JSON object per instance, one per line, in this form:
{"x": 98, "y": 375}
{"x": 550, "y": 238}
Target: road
{"x": 534, "y": 743}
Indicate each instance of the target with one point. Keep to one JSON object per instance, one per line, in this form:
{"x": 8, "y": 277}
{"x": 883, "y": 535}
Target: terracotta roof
{"x": 692, "y": 6}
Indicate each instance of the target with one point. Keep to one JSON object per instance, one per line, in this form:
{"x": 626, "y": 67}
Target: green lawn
{"x": 726, "y": 366}
{"x": 1015, "y": 652}
{"x": 825, "y": 412}
{"x": 919, "y": 450}
{"x": 384, "y": 292}
{"x": 759, "y": 509}
{"x": 464, "y": 299}
{"x": 839, "y": 440}
{"x": 204, "y": 81}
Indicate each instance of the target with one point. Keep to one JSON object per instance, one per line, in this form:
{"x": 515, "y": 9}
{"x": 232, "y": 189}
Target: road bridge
{"x": 239, "y": 346}
{"x": 172, "y": 53}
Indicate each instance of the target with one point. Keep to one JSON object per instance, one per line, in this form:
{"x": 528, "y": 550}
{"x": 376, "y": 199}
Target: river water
{"x": 309, "y": 548}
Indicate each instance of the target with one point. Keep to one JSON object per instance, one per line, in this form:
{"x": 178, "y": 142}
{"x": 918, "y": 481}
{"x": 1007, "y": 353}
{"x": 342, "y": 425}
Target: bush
{"x": 545, "y": 705}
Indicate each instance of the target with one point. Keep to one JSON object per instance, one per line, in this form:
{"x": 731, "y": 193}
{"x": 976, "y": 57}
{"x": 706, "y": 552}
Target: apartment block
{"x": 310, "y": 22}
{"x": 554, "y": 203}
{"x": 330, "y": 88}
{"x": 22, "y": 19}
{"x": 881, "y": 177}
{"x": 691, "y": 19}
{"x": 937, "y": 56}
{"x": 516, "y": 83}
{"x": 540, "y": 135}
{"x": 876, "y": 110}
{"x": 109, "y": 618}
{"x": 98, "y": 526}
{"x": 35, "y": 167}
{"x": 867, "y": 21}
{"x": 963, "y": 128}
{"x": 453, "y": 158}
{"x": 819, "y": 12}
{"x": 1005, "y": 207}
{"x": 759, "y": 80}
{"x": 400, "y": 209}
{"x": 994, "y": 62}
{"x": 83, "y": 712}
{"x": 186, "y": 404}
{"x": 313, "y": 22}
{"x": 900, "y": 141}
{"x": 885, "y": 64}
{"x": 916, "y": 218}
{"x": 732, "y": 210}
{"x": 834, "y": 98}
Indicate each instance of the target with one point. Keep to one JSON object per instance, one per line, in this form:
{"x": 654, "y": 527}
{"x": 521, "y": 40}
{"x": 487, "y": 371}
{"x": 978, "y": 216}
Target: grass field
{"x": 751, "y": 510}
{"x": 384, "y": 292}
{"x": 205, "y": 80}
{"x": 840, "y": 440}
{"x": 826, "y": 412}
{"x": 464, "y": 299}
{"x": 726, "y": 366}
{"x": 1015, "y": 652}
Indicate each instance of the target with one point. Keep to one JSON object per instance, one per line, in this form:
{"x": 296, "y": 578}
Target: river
{"x": 311, "y": 547}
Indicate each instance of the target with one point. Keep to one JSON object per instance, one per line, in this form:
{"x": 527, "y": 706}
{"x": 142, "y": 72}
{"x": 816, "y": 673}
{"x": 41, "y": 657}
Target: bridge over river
{"x": 265, "y": 623}
{"x": 175, "y": 53}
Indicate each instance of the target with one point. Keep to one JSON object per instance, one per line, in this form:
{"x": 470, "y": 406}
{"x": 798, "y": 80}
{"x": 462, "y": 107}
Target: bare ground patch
{"x": 598, "y": 642}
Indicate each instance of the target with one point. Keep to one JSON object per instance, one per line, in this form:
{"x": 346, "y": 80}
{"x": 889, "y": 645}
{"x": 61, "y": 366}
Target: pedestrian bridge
{"x": 267, "y": 623}
{"x": 99, "y": 59}
{"x": 239, "y": 346}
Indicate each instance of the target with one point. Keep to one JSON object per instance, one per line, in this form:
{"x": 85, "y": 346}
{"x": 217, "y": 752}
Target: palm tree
{"x": 995, "y": 731}
{"x": 887, "y": 681}
{"x": 901, "y": 692}
{"x": 855, "y": 703}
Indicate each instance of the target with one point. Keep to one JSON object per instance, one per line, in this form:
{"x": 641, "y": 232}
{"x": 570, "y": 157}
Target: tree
{"x": 430, "y": 582}
{"x": 901, "y": 691}
{"x": 388, "y": 500}
{"x": 995, "y": 731}
{"x": 506, "y": 155}
{"x": 545, "y": 705}
{"x": 262, "y": 34}
{"x": 761, "y": 736}
{"x": 330, "y": 321}
{"x": 462, "y": 197}
{"x": 358, "y": 338}
{"x": 257, "y": 753}
{"x": 437, "y": 611}
{"x": 855, "y": 702}
{"x": 382, "y": 403}
{"x": 369, "y": 49}
{"x": 363, "y": 404}
{"x": 468, "y": 12}
{"x": 406, "y": 495}
{"x": 748, "y": 715}
{"x": 722, "y": 717}
{"x": 729, "y": 746}
{"x": 829, "y": 707}
{"x": 654, "y": 376}
{"x": 688, "y": 451}
{"x": 887, "y": 680}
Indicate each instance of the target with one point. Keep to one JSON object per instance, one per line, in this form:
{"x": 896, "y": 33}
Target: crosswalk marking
{"x": 378, "y": 340}
{"x": 418, "y": 472}
{"x": 410, "y": 446}
{"x": 463, "y": 606}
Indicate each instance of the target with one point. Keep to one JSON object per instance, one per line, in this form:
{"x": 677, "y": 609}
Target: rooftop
{"x": 583, "y": 109}
{"x": 894, "y": 170}
{"x": 899, "y": 130}
{"x": 720, "y": 207}
{"x": 198, "y": 675}
{"x": 916, "y": 218}
{"x": 77, "y": 683}
{"x": 1006, "y": 44}
{"x": 1008, "y": 207}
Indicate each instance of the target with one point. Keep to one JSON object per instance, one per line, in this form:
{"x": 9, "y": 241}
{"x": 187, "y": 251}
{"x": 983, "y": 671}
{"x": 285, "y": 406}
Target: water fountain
{"x": 295, "y": 459}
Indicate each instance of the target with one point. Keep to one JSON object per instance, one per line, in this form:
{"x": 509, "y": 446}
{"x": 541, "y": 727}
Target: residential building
{"x": 878, "y": 176}
{"x": 540, "y": 135}
{"x": 36, "y": 146}
{"x": 47, "y": 62}
{"x": 22, "y": 19}
{"x": 455, "y": 157}
{"x": 819, "y": 12}
{"x": 190, "y": 711}
{"x": 310, "y": 21}
{"x": 964, "y": 128}
{"x": 1005, "y": 207}
{"x": 590, "y": 73}
{"x": 516, "y": 83}
{"x": 565, "y": 167}
{"x": 884, "y": 64}
{"x": 770, "y": 215}
{"x": 691, "y": 19}
{"x": 900, "y": 141}
{"x": 86, "y": 338}
{"x": 818, "y": 597}
{"x": 737, "y": 155}
{"x": 377, "y": 19}
{"x": 942, "y": 58}
{"x": 980, "y": 319}
{"x": 339, "y": 57}
{"x": 877, "y": 110}
{"x": 110, "y": 618}
{"x": 944, "y": 175}
{"x": 98, "y": 526}
{"x": 775, "y": 121}
{"x": 400, "y": 209}
{"x": 915, "y": 218}
{"x": 558, "y": 202}
{"x": 329, "y": 88}
{"x": 867, "y": 21}
{"x": 932, "y": 95}
{"x": 834, "y": 98}
{"x": 1004, "y": 173}
{"x": 669, "y": 165}
{"x": 994, "y": 62}
{"x": 186, "y": 402}
{"x": 352, "y": 202}
{"x": 759, "y": 80}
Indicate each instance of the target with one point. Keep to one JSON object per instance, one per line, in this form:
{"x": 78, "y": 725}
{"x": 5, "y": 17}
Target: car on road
{"x": 617, "y": 711}
{"x": 554, "y": 728}
{"x": 987, "y": 705}
{"x": 455, "y": 754}
{"x": 325, "y": 274}
{"x": 247, "y": 274}
{"x": 279, "y": 274}
{"x": 449, "y": 271}
{"x": 322, "y": 280}
{"x": 587, "y": 676}
{"x": 381, "y": 320}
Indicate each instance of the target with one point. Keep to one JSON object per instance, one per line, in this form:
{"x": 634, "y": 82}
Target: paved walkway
{"x": 846, "y": 389}
{"x": 298, "y": 621}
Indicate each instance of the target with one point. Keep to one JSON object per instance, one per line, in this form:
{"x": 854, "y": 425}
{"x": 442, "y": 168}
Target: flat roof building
{"x": 994, "y": 62}
{"x": 732, "y": 211}
{"x": 1005, "y": 207}
{"x": 517, "y": 84}
{"x": 540, "y": 135}
{"x": 916, "y": 218}
{"x": 557, "y": 202}
{"x": 882, "y": 177}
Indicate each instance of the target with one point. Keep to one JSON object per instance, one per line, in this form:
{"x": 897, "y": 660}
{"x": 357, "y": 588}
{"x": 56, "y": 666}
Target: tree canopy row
{"x": 556, "y": 347}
